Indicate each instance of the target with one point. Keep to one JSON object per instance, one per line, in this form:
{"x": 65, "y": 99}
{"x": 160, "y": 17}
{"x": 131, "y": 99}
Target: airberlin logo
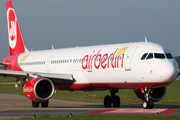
{"x": 12, "y": 27}
{"x": 98, "y": 60}
{"x": 24, "y": 58}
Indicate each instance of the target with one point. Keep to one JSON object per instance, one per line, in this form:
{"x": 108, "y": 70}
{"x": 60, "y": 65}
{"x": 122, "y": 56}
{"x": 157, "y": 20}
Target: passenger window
{"x": 169, "y": 56}
{"x": 159, "y": 55}
{"x": 150, "y": 56}
{"x": 144, "y": 56}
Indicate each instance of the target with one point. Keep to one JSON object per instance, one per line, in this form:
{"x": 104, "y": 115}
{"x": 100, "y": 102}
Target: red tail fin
{"x": 16, "y": 44}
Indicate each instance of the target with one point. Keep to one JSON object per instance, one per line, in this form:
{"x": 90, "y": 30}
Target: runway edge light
{"x": 157, "y": 114}
{"x": 70, "y": 115}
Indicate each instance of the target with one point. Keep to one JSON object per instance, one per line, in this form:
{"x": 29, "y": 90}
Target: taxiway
{"x": 16, "y": 106}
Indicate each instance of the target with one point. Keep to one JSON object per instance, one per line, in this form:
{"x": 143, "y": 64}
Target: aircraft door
{"x": 129, "y": 58}
{"x": 48, "y": 65}
{"x": 89, "y": 68}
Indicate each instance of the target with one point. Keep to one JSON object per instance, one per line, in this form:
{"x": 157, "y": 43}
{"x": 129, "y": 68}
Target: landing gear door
{"x": 129, "y": 58}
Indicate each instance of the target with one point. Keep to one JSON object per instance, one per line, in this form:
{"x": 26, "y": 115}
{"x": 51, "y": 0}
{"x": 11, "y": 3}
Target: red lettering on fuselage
{"x": 101, "y": 60}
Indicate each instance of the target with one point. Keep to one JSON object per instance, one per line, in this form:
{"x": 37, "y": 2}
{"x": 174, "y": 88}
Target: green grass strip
{"x": 128, "y": 96}
{"x": 105, "y": 117}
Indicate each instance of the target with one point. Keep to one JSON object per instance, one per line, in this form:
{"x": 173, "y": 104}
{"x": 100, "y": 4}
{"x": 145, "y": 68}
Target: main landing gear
{"x": 112, "y": 99}
{"x": 147, "y": 104}
{"x": 43, "y": 104}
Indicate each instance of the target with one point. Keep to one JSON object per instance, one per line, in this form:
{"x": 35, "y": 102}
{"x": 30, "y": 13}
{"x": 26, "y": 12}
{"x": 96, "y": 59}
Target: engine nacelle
{"x": 155, "y": 94}
{"x": 39, "y": 89}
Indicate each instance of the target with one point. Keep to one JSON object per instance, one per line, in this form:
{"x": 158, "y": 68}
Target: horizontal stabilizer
{"x": 4, "y": 63}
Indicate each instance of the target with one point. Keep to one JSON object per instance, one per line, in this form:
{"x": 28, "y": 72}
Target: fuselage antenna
{"x": 52, "y": 47}
{"x": 145, "y": 39}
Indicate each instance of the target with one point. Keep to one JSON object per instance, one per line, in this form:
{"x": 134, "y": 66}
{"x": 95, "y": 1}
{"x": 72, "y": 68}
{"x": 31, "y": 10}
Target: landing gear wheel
{"x": 151, "y": 104}
{"x": 35, "y": 104}
{"x": 107, "y": 101}
{"x": 145, "y": 104}
{"x": 45, "y": 104}
{"x": 116, "y": 101}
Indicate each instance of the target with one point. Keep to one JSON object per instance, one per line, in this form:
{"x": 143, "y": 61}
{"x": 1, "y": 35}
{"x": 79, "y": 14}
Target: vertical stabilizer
{"x": 16, "y": 44}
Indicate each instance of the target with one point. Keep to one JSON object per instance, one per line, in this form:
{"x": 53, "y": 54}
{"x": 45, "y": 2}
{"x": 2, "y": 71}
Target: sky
{"x": 71, "y": 23}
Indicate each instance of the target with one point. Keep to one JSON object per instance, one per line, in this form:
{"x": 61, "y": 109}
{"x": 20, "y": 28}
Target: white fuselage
{"x": 94, "y": 64}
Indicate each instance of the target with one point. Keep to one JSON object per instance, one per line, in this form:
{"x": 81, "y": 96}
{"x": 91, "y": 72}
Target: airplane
{"x": 143, "y": 66}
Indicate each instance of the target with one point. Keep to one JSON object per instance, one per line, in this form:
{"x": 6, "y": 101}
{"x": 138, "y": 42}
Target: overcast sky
{"x": 71, "y": 23}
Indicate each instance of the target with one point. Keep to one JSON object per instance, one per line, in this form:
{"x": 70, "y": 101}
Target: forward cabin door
{"x": 129, "y": 58}
{"x": 48, "y": 65}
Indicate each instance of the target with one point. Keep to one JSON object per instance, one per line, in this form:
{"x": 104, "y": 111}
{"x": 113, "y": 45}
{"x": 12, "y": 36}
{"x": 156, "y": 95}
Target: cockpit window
{"x": 150, "y": 56}
{"x": 159, "y": 55}
{"x": 169, "y": 56}
{"x": 156, "y": 56}
{"x": 144, "y": 56}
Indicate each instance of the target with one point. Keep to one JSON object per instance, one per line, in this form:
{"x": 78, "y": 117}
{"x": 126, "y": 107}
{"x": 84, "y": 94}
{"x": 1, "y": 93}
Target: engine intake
{"x": 39, "y": 89}
{"x": 155, "y": 94}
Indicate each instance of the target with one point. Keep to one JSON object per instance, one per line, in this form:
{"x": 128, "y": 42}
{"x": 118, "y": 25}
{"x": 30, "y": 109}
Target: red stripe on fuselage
{"x": 94, "y": 86}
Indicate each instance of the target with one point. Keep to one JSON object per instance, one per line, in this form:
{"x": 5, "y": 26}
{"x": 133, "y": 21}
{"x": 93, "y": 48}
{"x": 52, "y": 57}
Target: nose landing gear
{"x": 112, "y": 99}
{"x": 147, "y": 104}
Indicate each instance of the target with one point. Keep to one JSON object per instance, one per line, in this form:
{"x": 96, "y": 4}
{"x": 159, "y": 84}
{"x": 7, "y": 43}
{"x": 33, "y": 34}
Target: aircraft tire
{"x": 35, "y": 104}
{"x": 151, "y": 104}
{"x": 107, "y": 101}
{"x": 116, "y": 101}
{"x": 45, "y": 104}
{"x": 145, "y": 104}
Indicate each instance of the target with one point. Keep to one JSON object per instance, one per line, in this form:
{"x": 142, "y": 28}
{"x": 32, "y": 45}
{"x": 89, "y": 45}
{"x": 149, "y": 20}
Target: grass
{"x": 104, "y": 117}
{"x": 127, "y": 96}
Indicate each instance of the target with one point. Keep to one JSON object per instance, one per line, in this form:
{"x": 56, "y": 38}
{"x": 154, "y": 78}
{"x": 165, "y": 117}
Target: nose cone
{"x": 170, "y": 71}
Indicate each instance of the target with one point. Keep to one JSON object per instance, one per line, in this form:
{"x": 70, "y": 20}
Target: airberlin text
{"x": 98, "y": 60}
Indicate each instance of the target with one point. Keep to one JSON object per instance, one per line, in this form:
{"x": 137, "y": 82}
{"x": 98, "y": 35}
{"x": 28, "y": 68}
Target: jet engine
{"x": 39, "y": 89}
{"x": 155, "y": 94}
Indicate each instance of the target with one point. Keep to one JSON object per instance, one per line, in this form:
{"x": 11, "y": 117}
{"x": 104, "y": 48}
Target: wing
{"x": 11, "y": 73}
{"x": 61, "y": 78}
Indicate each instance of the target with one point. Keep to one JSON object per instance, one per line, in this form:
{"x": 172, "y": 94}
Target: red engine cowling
{"x": 155, "y": 94}
{"x": 39, "y": 89}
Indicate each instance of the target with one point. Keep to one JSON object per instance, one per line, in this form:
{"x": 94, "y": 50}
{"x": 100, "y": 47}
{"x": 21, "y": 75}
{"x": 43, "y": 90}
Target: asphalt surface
{"x": 16, "y": 106}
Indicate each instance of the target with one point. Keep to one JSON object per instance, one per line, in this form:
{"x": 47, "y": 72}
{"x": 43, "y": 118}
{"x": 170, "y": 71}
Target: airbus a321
{"x": 143, "y": 66}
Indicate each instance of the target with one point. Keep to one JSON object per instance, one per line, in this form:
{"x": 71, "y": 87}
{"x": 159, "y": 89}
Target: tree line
{"x": 178, "y": 60}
